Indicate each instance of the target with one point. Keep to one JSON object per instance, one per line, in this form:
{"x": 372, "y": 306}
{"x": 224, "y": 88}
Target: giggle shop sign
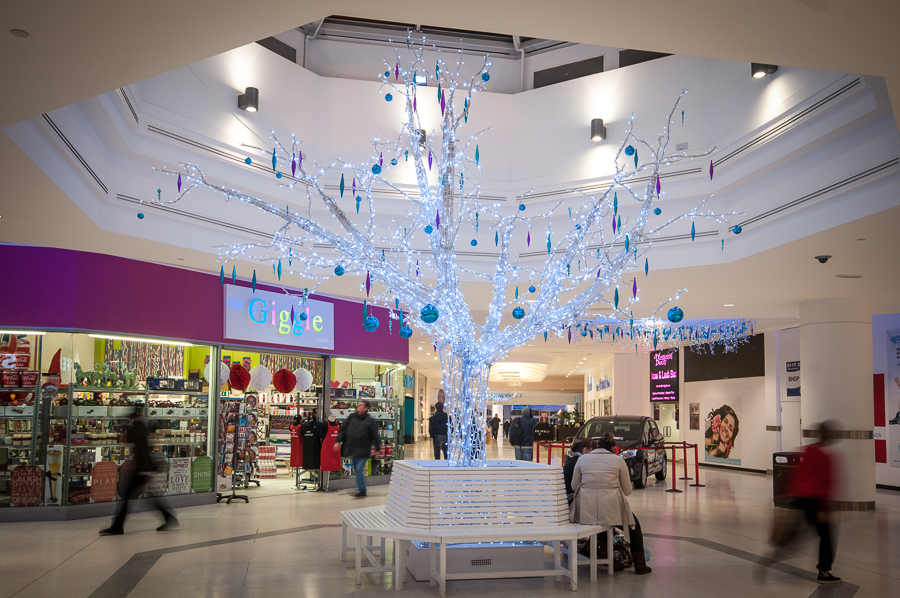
{"x": 265, "y": 317}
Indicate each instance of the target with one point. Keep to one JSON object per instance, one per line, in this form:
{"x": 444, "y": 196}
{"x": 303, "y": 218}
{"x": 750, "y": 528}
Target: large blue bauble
{"x": 531, "y": 289}
{"x": 339, "y": 271}
{"x": 737, "y": 229}
{"x": 376, "y": 169}
{"x": 629, "y": 151}
{"x": 485, "y": 77}
{"x": 405, "y": 331}
{"x": 675, "y": 315}
{"x": 518, "y": 313}
{"x": 429, "y": 314}
{"x": 428, "y": 230}
{"x": 370, "y": 323}
{"x": 388, "y": 97}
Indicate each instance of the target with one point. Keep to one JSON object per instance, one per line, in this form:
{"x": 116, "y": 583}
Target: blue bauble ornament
{"x": 248, "y": 161}
{"x": 429, "y": 314}
{"x": 473, "y": 242}
{"x": 675, "y": 315}
{"x": 521, "y": 207}
{"x": 629, "y": 151}
{"x": 370, "y": 323}
{"x": 737, "y": 229}
{"x": 278, "y": 175}
{"x": 405, "y": 331}
{"x": 428, "y": 230}
{"x": 393, "y": 161}
{"x": 376, "y": 169}
{"x": 339, "y": 271}
{"x": 518, "y": 313}
{"x": 387, "y": 74}
{"x": 303, "y": 316}
{"x": 577, "y": 227}
{"x": 388, "y": 97}
{"x": 140, "y": 215}
{"x": 485, "y": 77}
{"x": 657, "y": 211}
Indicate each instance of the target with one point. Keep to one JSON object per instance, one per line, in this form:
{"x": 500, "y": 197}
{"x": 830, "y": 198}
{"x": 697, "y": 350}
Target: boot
{"x": 640, "y": 563}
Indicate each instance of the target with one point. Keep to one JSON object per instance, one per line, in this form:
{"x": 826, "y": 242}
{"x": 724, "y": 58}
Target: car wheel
{"x": 661, "y": 474}
{"x": 641, "y": 482}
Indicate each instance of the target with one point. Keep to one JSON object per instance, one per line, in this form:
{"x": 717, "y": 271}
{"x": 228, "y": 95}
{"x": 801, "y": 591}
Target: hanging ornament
{"x": 159, "y": 194}
{"x": 387, "y": 74}
{"x": 376, "y": 168}
{"x": 634, "y": 289}
{"x": 548, "y": 243}
{"x": 381, "y": 158}
{"x": 635, "y": 159}
{"x": 476, "y": 222}
{"x": 388, "y": 97}
{"x": 675, "y": 315}
{"x": 531, "y": 289}
{"x": 397, "y": 72}
{"x": 629, "y": 150}
{"x": 370, "y": 323}
{"x": 341, "y": 187}
{"x": 140, "y": 215}
{"x": 614, "y": 225}
{"x": 682, "y": 118}
{"x": 293, "y": 166}
{"x": 279, "y": 268}
{"x": 545, "y": 336}
{"x": 443, "y": 104}
{"x": 406, "y": 155}
{"x": 658, "y": 187}
{"x": 393, "y": 161}
{"x": 405, "y": 331}
{"x": 429, "y": 159}
{"x": 723, "y": 245}
{"x": 646, "y": 266}
{"x": 476, "y": 155}
{"x": 437, "y": 70}
{"x": 299, "y": 159}
{"x": 568, "y": 270}
{"x": 517, "y": 292}
{"x": 253, "y": 283}
{"x": 485, "y": 77}
{"x": 248, "y": 161}
{"x": 496, "y": 239}
{"x": 179, "y": 182}
{"x": 437, "y": 220}
{"x": 417, "y": 268}
{"x": 222, "y": 276}
{"x": 616, "y": 298}
{"x": 521, "y": 207}
{"x": 428, "y": 229}
{"x": 710, "y": 170}
{"x": 429, "y": 314}
{"x": 518, "y": 313}
{"x": 619, "y": 218}
{"x": 626, "y": 243}
{"x": 570, "y": 335}
{"x": 693, "y": 231}
{"x": 655, "y": 339}
{"x": 528, "y": 239}
{"x": 736, "y": 229}
{"x": 234, "y": 275}
{"x": 353, "y": 187}
{"x": 338, "y": 270}
{"x": 570, "y": 212}
{"x": 440, "y": 93}
{"x": 292, "y": 315}
{"x": 368, "y": 283}
{"x": 615, "y": 203}
{"x": 473, "y": 242}
{"x": 657, "y": 211}
{"x": 274, "y": 160}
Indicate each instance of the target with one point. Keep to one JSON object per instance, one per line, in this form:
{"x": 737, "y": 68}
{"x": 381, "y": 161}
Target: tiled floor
{"x": 704, "y": 542}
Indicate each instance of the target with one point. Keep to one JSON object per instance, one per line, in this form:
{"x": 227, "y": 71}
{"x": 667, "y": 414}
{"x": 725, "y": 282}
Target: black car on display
{"x": 631, "y": 432}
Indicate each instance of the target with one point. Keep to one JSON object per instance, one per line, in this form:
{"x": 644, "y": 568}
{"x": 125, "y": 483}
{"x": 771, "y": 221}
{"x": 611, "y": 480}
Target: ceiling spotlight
{"x": 823, "y": 259}
{"x": 598, "y": 131}
{"x": 19, "y": 32}
{"x": 759, "y": 70}
{"x": 249, "y": 100}
{"x": 728, "y": 305}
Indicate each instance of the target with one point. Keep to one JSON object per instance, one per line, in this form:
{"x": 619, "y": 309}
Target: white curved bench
{"x": 507, "y": 501}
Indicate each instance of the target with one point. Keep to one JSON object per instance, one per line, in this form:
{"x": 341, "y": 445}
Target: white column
{"x": 836, "y": 378}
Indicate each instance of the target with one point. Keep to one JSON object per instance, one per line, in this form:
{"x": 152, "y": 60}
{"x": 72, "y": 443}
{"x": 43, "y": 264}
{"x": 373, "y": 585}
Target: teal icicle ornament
{"x": 274, "y": 160}
{"x": 253, "y": 283}
{"x": 620, "y": 222}
{"x": 234, "y": 275}
{"x": 616, "y": 298}
{"x": 290, "y": 256}
{"x": 682, "y": 118}
{"x": 548, "y": 243}
{"x": 615, "y": 203}
{"x": 358, "y": 201}
{"x": 279, "y": 268}
{"x": 476, "y": 155}
{"x": 635, "y": 158}
{"x": 723, "y": 245}
{"x": 222, "y": 276}
{"x": 159, "y": 194}
{"x": 646, "y": 266}
{"x": 476, "y": 222}
{"x": 342, "y": 185}
{"x": 693, "y": 231}
{"x": 626, "y": 243}
{"x": 273, "y": 269}
{"x": 496, "y": 239}
{"x": 570, "y": 212}
{"x": 568, "y": 270}
{"x": 545, "y": 336}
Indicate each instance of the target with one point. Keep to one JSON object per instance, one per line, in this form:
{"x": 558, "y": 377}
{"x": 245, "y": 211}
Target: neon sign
{"x": 266, "y": 317}
{"x": 664, "y": 375}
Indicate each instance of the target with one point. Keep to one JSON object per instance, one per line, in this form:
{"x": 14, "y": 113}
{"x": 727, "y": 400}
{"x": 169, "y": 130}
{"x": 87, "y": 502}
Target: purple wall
{"x": 75, "y": 290}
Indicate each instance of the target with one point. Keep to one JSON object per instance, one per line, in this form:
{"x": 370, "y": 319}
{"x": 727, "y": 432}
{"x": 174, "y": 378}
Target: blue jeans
{"x": 440, "y": 444}
{"x": 523, "y": 453}
{"x": 359, "y": 466}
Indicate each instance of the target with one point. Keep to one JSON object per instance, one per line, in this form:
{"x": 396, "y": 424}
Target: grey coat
{"x": 601, "y": 483}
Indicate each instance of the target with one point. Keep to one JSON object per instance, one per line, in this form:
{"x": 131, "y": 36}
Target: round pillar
{"x": 836, "y": 382}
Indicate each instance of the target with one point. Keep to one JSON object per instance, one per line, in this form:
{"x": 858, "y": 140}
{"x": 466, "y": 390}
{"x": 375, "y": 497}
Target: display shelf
{"x": 8, "y": 389}
{"x": 23, "y": 416}
{"x": 107, "y": 389}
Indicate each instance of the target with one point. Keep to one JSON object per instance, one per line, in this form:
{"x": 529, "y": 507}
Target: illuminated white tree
{"x": 414, "y": 259}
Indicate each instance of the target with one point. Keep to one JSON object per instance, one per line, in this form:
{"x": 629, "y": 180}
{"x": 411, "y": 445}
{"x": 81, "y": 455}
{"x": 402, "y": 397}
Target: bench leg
{"x": 442, "y": 569}
{"x": 382, "y": 551}
{"x": 593, "y": 558}
{"x": 573, "y": 563}
{"x": 556, "y": 557}
{"x": 398, "y": 564}
{"x": 432, "y": 556}
{"x": 358, "y": 552}
{"x": 343, "y": 542}
{"x": 609, "y": 551}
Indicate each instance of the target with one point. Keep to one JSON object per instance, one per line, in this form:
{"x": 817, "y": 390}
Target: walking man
{"x": 521, "y": 435}
{"x": 437, "y": 429}
{"x": 358, "y": 439}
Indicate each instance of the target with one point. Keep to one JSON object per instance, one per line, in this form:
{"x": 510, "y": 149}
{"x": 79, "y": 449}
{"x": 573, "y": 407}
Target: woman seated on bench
{"x": 601, "y": 483}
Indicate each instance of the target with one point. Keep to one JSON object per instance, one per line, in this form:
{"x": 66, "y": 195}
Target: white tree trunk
{"x": 465, "y": 387}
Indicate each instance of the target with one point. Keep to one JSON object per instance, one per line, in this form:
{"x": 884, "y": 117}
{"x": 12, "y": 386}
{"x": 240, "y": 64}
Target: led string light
{"x": 585, "y": 264}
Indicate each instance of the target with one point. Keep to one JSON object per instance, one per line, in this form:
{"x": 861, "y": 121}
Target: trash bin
{"x": 784, "y": 468}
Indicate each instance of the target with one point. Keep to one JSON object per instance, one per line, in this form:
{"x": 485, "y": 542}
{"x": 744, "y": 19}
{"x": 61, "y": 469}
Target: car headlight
{"x": 628, "y": 454}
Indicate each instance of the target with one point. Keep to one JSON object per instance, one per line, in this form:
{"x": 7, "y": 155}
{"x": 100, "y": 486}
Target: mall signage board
{"x": 664, "y": 375}
{"x": 265, "y": 317}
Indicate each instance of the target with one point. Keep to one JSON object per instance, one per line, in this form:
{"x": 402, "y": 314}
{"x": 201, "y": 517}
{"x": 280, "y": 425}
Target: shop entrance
{"x": 667, "y": 420}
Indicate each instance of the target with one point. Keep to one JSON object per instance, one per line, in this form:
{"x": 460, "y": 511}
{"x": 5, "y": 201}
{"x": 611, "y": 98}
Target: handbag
{"x": 622, "y": 552}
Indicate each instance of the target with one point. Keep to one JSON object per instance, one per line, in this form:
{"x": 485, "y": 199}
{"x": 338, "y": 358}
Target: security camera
{"x": 823, "y": 258}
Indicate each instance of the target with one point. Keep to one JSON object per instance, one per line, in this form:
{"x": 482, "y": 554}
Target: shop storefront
{"x": 133, "y": 336}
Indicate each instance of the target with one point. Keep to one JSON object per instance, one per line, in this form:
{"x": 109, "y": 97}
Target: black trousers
{"x": 440, "y": 446}
{"x": 810, "y": 508}
{"x": 133, "y": 487}
{"x": 494, "y": 433}
{"x": 637, "y": 537}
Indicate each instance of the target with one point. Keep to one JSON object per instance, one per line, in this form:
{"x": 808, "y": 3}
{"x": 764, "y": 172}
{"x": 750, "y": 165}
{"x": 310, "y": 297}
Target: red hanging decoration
{"x": 284, "y": 381}
{"x": 239, "y": 377}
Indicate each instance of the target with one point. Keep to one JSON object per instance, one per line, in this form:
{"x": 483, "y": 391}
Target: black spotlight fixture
{"x": 759, "y": 70}
{"x": 598, "y": 131}
{"x": 249, "y": 100}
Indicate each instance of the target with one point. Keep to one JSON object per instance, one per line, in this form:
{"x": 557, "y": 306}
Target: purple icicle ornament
{"x": 299, "y": 159}
{"x": 397, "y": 72}
{"x": 179, "y": 183}
{"x": 368, "y": 283}
{"x": 437, "y": 220}
{"x": 293, "y": 165}
{"x": 658, "y": 187}
{"x": 614, "y": 224}
{"x": 528, "y": 239}
{"x": 443, "y": 104}
{"x": 634, "y": 289}
{"x": 710, "y": 170}
{"x": 429, "y": 159}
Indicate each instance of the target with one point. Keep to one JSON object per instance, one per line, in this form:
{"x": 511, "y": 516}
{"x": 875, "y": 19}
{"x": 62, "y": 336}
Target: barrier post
{"x": 697, "y": 469}
{"x": 673, "y": 488}
{"x": 684, "y": 447}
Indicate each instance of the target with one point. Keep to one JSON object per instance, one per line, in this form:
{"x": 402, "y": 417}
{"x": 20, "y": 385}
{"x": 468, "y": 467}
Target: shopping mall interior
{"x": 235, "y": 222}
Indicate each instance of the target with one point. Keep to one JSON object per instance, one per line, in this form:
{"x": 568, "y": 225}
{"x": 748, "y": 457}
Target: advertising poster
{"x": 664, "y": 375}
{"x": 893, "y": 396}
{"x": 180, "y": 475}
{"x": 159, "y": 481}
{"x": 201, "y": 474}
{"x": 722, "y": 440}
{"x": 53, "y": 481}
{"x": 694, "y": 413}
{"x": 104, "y": 481}
{"x": 27, "y": 486}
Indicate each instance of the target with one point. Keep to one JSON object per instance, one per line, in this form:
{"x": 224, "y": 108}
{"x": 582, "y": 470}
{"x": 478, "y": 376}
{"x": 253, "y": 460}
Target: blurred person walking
{"x": 521, "y": 435}
{"x": 358, "y": 439}
{"x": 437, "y": 429}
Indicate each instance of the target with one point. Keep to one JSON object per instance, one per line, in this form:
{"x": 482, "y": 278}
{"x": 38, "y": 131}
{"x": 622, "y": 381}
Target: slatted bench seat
{"x": 507, "y": 501}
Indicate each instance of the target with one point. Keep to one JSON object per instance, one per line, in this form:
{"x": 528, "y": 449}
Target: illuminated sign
{"x": 265, "y": 317}
{"x": 664, "y": 375}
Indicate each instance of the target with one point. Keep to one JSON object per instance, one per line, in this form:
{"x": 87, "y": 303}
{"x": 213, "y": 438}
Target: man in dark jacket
{"x": 521, "y": 435}
{"x": 437, "y": 429}
{"x": 495, "y": 427}
{"x": 359, "y": 439}
{"x": 506, "y": 425}
{"x": 137, "y": 437}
